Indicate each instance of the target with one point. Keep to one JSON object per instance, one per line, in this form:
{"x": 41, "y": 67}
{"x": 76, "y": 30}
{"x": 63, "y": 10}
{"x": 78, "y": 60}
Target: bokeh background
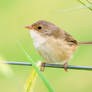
{"x": 14, "y": 15}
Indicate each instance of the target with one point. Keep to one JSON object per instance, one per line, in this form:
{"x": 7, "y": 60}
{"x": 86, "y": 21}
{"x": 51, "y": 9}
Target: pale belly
{"x": 48, "y": 53}
{"x": 53, "y": 50}
{"x": 54, "y": 53}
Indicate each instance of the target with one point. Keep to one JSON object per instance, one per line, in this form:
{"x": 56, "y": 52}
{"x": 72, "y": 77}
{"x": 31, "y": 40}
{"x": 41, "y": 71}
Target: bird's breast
{"x": 52, "y": 50}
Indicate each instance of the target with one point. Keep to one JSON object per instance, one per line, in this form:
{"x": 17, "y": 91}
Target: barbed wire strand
{"x": 49, "y": 65}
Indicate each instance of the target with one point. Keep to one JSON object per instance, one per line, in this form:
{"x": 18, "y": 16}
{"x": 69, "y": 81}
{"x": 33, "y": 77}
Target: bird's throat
{"x": 38, "y": 40}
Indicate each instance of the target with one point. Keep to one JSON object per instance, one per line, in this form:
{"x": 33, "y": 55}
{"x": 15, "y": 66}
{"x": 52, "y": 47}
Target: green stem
{"x": 85, "y": 5}
{"x": 45, "y": 81}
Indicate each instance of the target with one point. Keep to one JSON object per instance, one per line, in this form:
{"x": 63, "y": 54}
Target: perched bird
{"x": 55, "y": 45}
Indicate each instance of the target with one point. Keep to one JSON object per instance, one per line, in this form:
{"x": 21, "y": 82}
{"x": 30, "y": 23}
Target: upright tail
{"x": 85, "y": 43}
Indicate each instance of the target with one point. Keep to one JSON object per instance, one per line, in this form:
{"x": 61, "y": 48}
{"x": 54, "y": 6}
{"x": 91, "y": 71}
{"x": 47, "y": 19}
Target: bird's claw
{"x": 65, "y": 67}
{"x": 42, "y": 67}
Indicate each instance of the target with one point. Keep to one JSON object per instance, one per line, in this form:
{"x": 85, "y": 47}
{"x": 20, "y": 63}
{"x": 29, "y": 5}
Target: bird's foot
{"x": 42, "y": 67}
{"x": 65, "y": 67}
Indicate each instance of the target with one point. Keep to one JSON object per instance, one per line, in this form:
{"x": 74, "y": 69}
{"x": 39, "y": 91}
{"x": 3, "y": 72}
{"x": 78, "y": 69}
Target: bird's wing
{"x": 70, "y": 39}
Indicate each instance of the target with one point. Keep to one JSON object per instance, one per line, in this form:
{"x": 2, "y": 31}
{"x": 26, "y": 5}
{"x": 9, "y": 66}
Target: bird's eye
{"x": 39, "y": 27}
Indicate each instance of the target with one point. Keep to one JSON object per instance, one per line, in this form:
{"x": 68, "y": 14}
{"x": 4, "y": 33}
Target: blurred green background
{"x": 14, "y": 15}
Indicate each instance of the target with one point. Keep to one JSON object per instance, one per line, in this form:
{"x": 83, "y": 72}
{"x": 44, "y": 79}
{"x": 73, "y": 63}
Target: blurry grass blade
{"x": 5, "y": 69}
{"x": 8, "y": 72}
{"x": 89, "y": 1}
{"x": 73, "y": 9}
{"x": 31, "y": 81}
{"x": 45, "y": 81}
{"x": 90, "y": 8}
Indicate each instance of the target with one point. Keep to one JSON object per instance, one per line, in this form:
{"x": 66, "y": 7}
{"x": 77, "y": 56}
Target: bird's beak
{"x": 29, "y": 27}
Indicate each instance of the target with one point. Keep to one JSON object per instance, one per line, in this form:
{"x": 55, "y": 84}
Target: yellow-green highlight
{"x": 29, "y": 86}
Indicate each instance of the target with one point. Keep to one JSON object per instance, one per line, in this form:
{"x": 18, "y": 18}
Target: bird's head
{"x": 44, "y": 28}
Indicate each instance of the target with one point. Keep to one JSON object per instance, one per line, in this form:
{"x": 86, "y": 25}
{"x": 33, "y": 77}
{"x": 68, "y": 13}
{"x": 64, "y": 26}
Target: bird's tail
{"x": 85, "y": 43}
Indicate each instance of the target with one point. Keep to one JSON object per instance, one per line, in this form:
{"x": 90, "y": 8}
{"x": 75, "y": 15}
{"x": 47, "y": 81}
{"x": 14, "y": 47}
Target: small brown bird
{"x": 54, "y": 44}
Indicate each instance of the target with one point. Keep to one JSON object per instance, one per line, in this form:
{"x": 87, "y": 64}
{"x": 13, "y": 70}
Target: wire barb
{"x": 50, "y": 65}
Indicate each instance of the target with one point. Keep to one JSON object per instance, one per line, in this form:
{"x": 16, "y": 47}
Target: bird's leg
{"x": 42, "y": 67}
{"x": 65, "y": 66}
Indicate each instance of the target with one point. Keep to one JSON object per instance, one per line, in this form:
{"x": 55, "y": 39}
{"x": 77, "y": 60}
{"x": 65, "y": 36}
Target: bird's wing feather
{"x": 70, "y": 39}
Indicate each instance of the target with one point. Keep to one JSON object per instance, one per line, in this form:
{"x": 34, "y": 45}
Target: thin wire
{"x": 49, "y": 65}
